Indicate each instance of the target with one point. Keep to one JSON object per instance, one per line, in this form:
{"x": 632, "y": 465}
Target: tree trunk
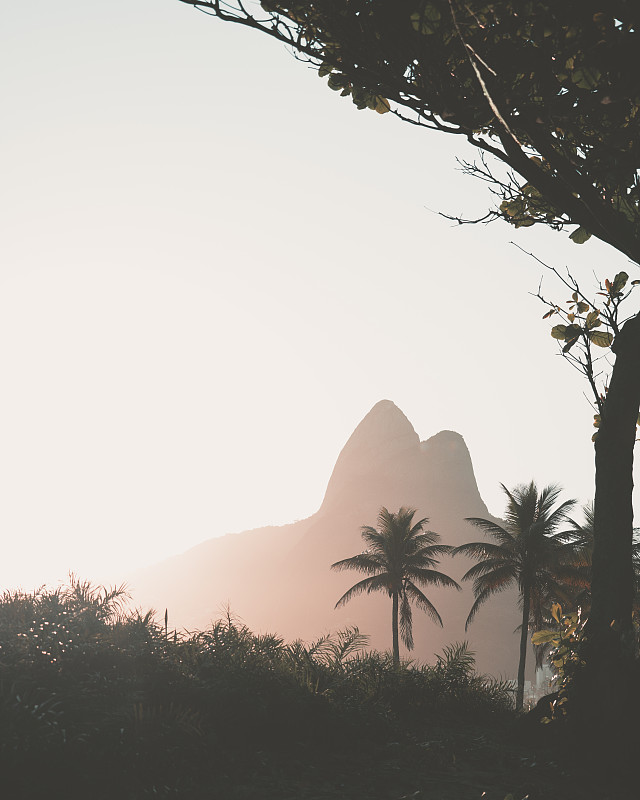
{"x": 524, "y": 640}
{"x": 394, "y": 629}
{"x": 612, "y": 571}
{"x": 605, "y": 690}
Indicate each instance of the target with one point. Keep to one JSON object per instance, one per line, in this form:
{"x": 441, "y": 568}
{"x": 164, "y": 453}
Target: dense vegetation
{"x": 98, "y": 701}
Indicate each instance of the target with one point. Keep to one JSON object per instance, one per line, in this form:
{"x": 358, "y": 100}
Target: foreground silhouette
{"x": 98, "y": 702}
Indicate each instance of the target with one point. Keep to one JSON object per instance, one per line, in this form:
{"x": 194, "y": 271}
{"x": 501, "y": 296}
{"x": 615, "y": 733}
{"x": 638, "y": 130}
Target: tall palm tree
{"x": 400, "y": 556}
{"x": 529, "y": 552}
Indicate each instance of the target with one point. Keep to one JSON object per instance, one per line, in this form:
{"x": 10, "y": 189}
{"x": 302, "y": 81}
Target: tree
{"x": 548, "y": 89}
{"x": 549, "y": 93}
{"x": 580, "y": 572}
{"x": 401, "y": 556}
{"x": 529, "y": 552}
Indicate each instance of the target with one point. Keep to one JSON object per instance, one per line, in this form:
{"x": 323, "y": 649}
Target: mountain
{"x": 278, "y": 579}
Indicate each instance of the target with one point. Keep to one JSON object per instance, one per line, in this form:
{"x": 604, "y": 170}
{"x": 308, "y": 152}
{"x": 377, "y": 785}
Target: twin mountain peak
{"x": 278, "y": 579}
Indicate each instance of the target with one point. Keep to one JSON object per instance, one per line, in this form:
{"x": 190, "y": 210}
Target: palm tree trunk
{"x": 394, "y": 629}
{"x": 524, "y": 640}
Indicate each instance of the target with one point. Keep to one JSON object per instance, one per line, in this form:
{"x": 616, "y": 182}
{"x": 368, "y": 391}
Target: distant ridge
{"x": 278, "y": 579}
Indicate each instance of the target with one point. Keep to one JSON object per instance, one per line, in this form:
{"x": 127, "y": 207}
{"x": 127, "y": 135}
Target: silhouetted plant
{"x": 529, "y": 552}
{"x": 120, "y": 710}
{"x": 400, "y": 557}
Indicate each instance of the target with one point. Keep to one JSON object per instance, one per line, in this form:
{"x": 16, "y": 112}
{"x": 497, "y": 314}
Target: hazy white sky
{"x": 213, "y": 266}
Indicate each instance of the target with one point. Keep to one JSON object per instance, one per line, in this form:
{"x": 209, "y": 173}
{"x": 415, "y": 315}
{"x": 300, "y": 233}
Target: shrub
{"x": 108, "y": 705}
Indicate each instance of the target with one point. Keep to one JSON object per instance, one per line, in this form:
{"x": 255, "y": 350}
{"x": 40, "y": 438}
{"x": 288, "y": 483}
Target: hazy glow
{"x": 212, "y": 268}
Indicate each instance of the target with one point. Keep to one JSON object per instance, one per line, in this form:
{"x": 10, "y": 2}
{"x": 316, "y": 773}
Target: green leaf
{"x": 337, "y": 81}
{"x": 601, "y": 338}
{"x": 432, "y": 13}
{"x": 580, "y": 235}
{"x": 571, "y": 336}
{"x": 423, "y": 21}
{"x": 572, "y": 332}
{"x": 542, "y": 637}
{"x": 582, "y": 307}
{"x": 593, "y": 320}
{"x": 586, "y": 78}
{"x": 619, "y": 282}
{"x": 559, "y": 331}
{"x": 569, "y": 344}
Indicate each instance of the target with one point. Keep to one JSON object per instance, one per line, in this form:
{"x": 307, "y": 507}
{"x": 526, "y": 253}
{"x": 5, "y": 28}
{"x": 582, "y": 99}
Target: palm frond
{"x": 406, "y": 621}
{"x": 347, "y": 643}
{"x": 484, "y": 567}
{"x": 481, "y": 550}
{"x": 549, "y": 521}
{"x": 421, "y": 538}
{"x": 431, "y": 577}
{"x": 367, "y": 563}
{"x": 505, "y": 537}
{"x": 481, "y": 598}
{"x": 375, "y": 583}
{"x": 423, "y": 602}
{"x": 547, "y": 497}
{"x": 432, "y": 551}
{"x": 495, "y": 581}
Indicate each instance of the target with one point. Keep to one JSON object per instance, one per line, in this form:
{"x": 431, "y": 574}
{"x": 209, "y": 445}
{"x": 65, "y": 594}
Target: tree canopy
{"x": 549, "y": 89}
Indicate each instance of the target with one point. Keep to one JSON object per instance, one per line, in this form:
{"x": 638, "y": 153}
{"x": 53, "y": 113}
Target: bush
{"x": 106, "y": 704}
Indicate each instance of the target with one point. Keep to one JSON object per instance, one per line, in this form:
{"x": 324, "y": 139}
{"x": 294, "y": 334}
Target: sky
{"x": 212, "y": 267}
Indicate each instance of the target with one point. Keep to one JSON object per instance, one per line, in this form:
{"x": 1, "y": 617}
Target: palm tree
{"x": 401, "y": 555}
{"x": 584, "y": 539}
{"x": 529, "y": 552}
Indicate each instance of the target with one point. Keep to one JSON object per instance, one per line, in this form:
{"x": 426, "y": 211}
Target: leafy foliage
{"x": 106, "y": 704}
{"x": 547, "y": 88}
{"x": 589, "y": 322}
{"x": 564, "y": 641}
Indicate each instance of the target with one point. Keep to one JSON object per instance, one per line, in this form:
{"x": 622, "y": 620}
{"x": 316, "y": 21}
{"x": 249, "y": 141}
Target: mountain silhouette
{"x": 278, "y": 579}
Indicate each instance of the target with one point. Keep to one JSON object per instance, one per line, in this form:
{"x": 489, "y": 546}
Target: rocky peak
{"x": 384, "y": 433}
